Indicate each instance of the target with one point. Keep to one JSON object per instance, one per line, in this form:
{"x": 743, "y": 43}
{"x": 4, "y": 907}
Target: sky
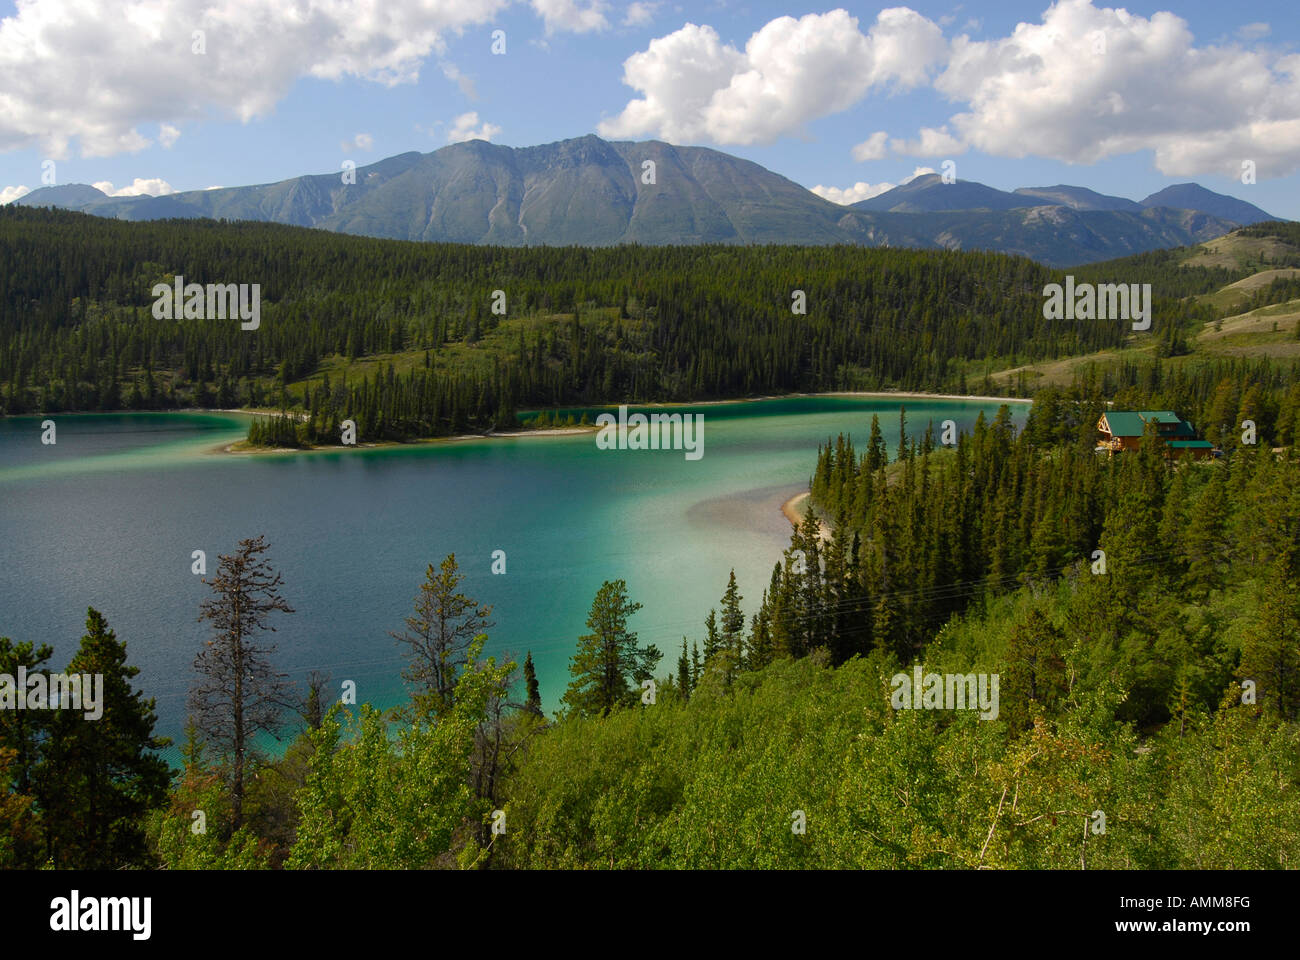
{"x": 154, "y": 96}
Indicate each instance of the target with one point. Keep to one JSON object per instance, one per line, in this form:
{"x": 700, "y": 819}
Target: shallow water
{"x": 109, "y": 516}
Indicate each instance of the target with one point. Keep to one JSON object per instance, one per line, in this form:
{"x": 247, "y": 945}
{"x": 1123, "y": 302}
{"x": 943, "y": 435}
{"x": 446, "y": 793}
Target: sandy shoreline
{"x": 569, "y": 431}
{"x": 794, "y": 512}
{"x": 793, "y": 508}
{"x": 260, "y": 451}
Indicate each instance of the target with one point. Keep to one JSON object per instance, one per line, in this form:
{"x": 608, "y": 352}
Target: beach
{"x": 794, "y": 509}
{"x": 234, "y": 448}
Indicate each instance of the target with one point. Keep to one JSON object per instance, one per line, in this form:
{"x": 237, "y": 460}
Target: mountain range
{"x": 592, "y": 192}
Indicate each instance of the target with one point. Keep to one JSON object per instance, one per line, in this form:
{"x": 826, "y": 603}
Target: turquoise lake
{"x": 110, "y": 514}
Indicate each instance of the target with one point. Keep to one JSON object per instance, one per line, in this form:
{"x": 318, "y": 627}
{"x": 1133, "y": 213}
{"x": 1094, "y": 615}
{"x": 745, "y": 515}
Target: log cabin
{"x": 1124, "y": 429}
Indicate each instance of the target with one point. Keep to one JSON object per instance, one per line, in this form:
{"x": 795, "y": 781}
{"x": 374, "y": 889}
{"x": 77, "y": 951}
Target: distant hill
{"x": 1054, "y": 235}
{"x": 592, "y": 192}
{"x": 1081, "y": 198}
{"x": 71, "y": 196}
{"x": 1238, "y": 297}
{"x": 1191, "y": 196}
{"x": 929, "y": 194}
{"x": 1244, "y": 252}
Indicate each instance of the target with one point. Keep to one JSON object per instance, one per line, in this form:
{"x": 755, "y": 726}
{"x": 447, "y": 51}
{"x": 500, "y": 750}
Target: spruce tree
{"x": 877, "y": 452}
{"x": 533, "y": 704}
{"x": 712, "y": 640}
{"x": 733, "y": 618}
{"x": 438, "y": 635}
{"x": 609, "y": 663}
{"x": 313, "y": 702}
{"x": 811, "y": 627}
{"x": 100, "y": 774}
{"x": 1204, "y": 540}
{"x": 684, "y": 672}
{"x": 759, "y": 654}
{"x": 1271, "y": 654}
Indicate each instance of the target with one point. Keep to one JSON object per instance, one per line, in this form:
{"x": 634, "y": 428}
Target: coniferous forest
{"x": 447, "y": 355}
{"x": 1141, "y": 611}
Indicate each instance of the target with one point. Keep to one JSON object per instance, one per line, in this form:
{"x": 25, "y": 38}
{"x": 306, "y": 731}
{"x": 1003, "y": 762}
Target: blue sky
{"x": 1123, "y": 100}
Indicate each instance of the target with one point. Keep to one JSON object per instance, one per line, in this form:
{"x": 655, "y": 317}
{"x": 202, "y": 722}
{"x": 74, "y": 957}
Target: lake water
{"x": 109, "y": 516}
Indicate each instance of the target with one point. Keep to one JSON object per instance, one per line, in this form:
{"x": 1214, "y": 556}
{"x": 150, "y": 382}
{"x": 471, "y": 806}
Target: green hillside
{"x": 413, "y": 331}
{"x": 1238, "y": 297}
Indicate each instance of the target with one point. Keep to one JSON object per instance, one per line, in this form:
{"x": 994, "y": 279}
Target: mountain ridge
{"x": 587, "y": 191}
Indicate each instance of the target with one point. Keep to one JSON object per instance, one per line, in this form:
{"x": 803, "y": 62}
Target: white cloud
{"x": 168, "y": 135}
{"x": 362, "y": 141}
{"x": 570, "y": 15}
{"x": 695, "y": 87}
{"x": 872, "y": 148}
{"x": 464, "y": 129}
{"x": 639, "y": 14}
{"x": 10, "y": 194}
{"x": 1254, "y": 31}
{"x": 859, "y": 191}
{"x": 152, "y": 187}
{"x": 86, "y": 75}
{"x": 864, "y": 191}
{"x": 1045, "y": 90}
{"x": 932, "y": 143}
{"x": 679, "y": 75}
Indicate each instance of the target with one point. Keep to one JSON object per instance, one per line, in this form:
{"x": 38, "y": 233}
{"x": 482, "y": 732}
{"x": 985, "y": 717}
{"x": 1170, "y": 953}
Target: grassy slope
{"x": 1268, "y": 332}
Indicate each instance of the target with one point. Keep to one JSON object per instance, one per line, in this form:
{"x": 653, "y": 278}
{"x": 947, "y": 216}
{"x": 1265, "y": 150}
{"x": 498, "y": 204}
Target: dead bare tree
{"x": 237, "y": 693}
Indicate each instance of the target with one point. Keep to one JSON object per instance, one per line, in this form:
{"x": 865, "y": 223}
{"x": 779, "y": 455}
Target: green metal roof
{"x": 1191, "y": 444}
{"x": 1130, "y": 423}
{"x": 1181, "y": 427}
{"x": 1125, "y": 424}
